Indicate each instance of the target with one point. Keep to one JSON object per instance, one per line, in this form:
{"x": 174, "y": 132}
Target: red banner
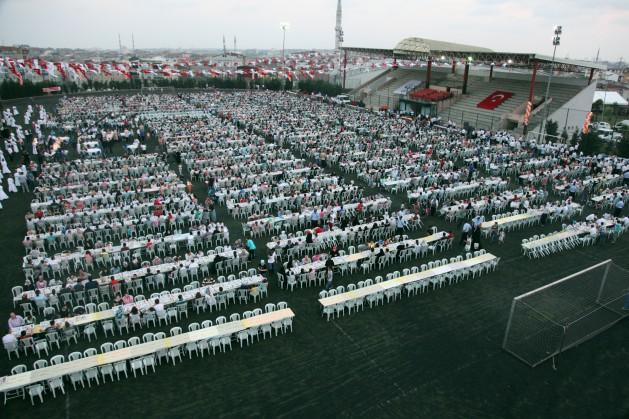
{"x": 51, "y": 89}
{"x": 586, "y": 124}
{"x": 494, "y": 100}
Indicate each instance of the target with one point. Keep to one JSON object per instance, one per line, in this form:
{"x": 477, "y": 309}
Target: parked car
{"x": 342, "y": 99}
{"x": 598, "y": 126}
{"x": 608, "y": 135}
{"x": 622, "y": 125}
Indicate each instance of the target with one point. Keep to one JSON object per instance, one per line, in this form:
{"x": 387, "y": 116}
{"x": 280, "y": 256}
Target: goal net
{"x": 551, "y": 319}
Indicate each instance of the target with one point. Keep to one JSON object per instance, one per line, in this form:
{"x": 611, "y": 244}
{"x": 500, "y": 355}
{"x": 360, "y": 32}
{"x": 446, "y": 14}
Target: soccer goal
{"x": 558, "y": 316}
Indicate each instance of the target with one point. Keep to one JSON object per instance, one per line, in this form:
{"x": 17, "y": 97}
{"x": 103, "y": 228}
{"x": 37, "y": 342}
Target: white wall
{"x": 352, "y": 81}
{"x": 572, "y": 114}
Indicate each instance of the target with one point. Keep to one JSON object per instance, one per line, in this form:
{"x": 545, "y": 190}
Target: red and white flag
{"x": 61, "y": 71}
{"x": 11, "y": 65}
{"x": 527, "y": 114}
{"x": 586, "y": 123}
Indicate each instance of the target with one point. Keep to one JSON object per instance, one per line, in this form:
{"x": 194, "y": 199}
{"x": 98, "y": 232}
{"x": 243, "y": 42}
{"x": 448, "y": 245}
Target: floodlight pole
{"x": 283, "y": 44}
{"x": 556, "y": 40}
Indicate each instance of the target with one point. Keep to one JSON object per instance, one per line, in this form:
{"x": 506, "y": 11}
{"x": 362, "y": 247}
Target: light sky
{"x": 502, "y": 25}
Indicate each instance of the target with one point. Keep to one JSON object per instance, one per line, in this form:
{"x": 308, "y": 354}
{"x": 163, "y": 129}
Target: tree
{"x": 319, "y": 86}
{"x": 575, "y": 138}
{"x": 564, "y": 136}
{"x": 597, "y": 107}
{"x": 590, "y": 144}
{"x": 552, "y": 127}
{"x": 10, "y": 89}
{"x": 615, "y": 108}
{"x": 270, "y": 83}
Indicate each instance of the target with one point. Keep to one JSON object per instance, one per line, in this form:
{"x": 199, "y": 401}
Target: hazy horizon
{"x": 508, "y": 26}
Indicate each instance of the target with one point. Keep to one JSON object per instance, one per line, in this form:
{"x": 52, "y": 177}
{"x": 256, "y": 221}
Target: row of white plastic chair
{"x": 394, "y": 293}
{"x": 554, "y": 246}
{"x": 142, "y": 364}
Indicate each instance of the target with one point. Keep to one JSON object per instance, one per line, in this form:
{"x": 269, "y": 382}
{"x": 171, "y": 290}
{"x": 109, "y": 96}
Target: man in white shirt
{"x": 159, "y": 308}
{"x": 271, "y": 261}
{"x": 8, "y": 339}
{"x": 15, "y": 320}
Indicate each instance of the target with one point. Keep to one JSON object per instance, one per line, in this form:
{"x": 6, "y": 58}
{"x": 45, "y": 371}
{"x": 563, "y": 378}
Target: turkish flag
{"x": 494, "y": 100}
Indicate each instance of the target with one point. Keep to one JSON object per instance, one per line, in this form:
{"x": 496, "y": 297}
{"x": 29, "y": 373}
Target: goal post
{"x": 556, "y": 317}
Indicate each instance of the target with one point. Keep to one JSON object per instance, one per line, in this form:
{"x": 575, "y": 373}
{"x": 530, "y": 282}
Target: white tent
{"x": 609, "y": 98}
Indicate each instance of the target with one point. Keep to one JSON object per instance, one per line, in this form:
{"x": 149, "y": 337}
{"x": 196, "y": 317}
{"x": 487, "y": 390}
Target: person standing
{"x": 467, "y": 227}
{"x": 329, "y": 279}
{"x": 399, "y": 224}
{"x": 271, "y": 261}
{"x": 618, "y": 207}
{"x": 573, "y": 190}
{"x": 212, "y": 209}
{"x": 251, "y": 246}
{"x": 314, "y": 218}
{"x": 494, "y": 231}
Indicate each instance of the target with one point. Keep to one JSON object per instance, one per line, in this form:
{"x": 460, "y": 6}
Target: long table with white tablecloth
{"x": 356, "y": 257}
{"x": 12, "y": 382}
{"x": 228, "y": 253}
{"x": 142, "y": 306}
{"x": 404, "y": 280}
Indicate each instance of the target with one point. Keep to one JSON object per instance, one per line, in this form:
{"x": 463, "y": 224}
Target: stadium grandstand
{"x": 476, "y": 87}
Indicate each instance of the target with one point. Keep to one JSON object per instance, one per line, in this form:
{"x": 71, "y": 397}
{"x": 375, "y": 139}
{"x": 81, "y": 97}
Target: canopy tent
{"x": 609, "y": 98}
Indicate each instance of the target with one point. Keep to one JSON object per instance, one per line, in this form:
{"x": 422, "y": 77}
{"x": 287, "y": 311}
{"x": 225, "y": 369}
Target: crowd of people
{"x": 317, "y": 188}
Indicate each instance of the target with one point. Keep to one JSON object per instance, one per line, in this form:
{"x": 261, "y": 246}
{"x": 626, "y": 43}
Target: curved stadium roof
{"x": 415, "y": 45}
{"x": 423, "y": 48}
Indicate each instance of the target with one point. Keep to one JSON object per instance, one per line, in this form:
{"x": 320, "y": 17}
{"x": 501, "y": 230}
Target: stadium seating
{"x": 382, "y": 91}
{"x": 465, "y": 109}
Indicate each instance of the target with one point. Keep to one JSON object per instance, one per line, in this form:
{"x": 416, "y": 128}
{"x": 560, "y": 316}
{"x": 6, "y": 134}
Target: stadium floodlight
{"x": 510, "y": 61}
{"x": 557, "y": 30}
{"x": 443, "y": 58}
{"x": 284, "y": 26}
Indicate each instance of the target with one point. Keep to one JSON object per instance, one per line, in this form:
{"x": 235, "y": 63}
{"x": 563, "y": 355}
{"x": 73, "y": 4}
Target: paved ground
{"x": 436, "y": 355}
